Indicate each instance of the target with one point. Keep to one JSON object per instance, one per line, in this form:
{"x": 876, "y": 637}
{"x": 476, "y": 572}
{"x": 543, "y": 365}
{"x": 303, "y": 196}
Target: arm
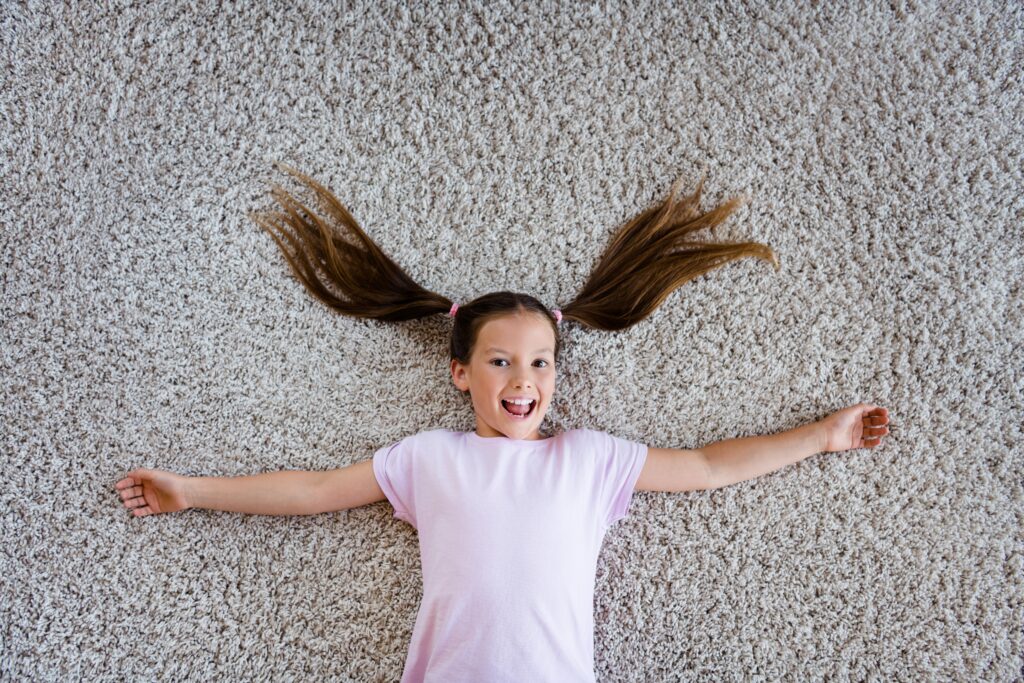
{"x": 736, "y": 460}
{"x": 150, "y": 492}
{"x": 290, "y": 492}
{"x": 348, "y": 487}
{"x": 674, "y": 470}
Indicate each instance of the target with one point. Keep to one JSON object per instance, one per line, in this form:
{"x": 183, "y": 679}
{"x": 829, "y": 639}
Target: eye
{"x": 502, "y": 360}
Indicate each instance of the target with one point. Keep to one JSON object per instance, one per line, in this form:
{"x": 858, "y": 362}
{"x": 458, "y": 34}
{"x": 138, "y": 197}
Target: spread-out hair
{"x": 648, "y": 258}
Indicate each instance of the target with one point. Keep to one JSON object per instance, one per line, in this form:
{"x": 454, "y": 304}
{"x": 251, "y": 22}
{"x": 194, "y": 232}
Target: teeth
{"x": 519, "y": 402}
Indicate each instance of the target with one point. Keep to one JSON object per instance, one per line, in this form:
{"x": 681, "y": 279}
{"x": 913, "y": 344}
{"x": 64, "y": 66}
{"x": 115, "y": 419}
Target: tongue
{"x": 517, "y": 409}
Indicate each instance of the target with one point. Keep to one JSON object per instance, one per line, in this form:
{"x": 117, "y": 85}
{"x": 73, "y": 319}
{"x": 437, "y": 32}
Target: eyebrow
{"x": 495, "y": 348}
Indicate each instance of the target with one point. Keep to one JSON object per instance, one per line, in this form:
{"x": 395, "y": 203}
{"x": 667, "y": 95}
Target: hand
{"x": 859, "y": 426}
{"x": 150, "y": 492}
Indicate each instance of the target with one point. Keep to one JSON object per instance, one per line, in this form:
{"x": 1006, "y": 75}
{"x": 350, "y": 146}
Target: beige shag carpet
{"x": 147, "y": 322}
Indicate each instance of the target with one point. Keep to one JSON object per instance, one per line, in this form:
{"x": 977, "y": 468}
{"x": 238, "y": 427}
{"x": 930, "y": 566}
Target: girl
{"x": 510, "y": 521}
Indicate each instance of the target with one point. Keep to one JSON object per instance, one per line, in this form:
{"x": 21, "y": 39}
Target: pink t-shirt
{"x": 509, "y": 534}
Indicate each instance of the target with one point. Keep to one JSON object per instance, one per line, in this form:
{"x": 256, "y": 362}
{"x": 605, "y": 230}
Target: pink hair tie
{"x": 451, "y": 313}
{"x": 558, "y": 315}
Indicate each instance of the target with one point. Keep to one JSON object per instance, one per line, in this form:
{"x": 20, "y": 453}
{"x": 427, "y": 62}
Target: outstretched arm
{"x": 289, "y": 492}
{"x": 735, "y": 460}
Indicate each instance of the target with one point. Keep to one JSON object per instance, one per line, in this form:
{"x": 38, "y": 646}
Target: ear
{"x": 459, "y": 375}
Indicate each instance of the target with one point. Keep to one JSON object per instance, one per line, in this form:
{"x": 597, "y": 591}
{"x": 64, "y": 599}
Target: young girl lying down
{"x": 510, "y": 521}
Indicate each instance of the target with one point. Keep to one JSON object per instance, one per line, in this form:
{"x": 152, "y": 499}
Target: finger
{"x": 127, "y": 481}
{"x": 142, "y": 512}
{"x": 875, "y": 431}
{"x": 876, "y": 420}
{"x": 871, "y": 443}
{"x": 133, "y": 492}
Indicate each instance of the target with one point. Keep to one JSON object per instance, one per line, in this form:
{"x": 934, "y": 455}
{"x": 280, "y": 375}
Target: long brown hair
{"x": 648, "y": 258}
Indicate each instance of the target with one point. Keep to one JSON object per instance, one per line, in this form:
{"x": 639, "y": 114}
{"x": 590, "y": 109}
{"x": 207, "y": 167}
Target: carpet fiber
{"x": 147, "y": 322}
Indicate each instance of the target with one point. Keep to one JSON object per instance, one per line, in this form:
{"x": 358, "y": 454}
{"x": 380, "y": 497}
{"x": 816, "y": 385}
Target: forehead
{"x": 526, "y": 333}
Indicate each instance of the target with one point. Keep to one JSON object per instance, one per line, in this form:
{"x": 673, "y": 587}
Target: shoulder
{"x": 438, "y": 435}
{"x": 602, "y": 442}
{"x": 418, "y": 441}
{"x": 582, "y": 433}
{"x": 432, "y": 435}
{"x": 578, "y": 437}
{"x": 598, "y": 436}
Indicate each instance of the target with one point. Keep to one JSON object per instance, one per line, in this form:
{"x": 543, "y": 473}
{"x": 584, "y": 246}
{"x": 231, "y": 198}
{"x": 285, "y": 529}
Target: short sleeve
{"x": 620, "y": 462}
{"x": 393, "y": 467}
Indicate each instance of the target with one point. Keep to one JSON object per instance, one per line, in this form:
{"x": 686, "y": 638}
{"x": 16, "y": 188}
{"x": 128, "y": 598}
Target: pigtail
{"x": 649, "y": 258}
{"x": 371, "y": 284}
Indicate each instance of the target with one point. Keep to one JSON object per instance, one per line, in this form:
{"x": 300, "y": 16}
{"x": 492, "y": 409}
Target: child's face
{"x": 524, "y": 367}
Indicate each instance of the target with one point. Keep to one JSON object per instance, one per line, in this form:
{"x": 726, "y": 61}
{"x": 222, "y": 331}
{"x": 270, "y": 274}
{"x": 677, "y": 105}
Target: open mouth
{"x": 514, "y": 416}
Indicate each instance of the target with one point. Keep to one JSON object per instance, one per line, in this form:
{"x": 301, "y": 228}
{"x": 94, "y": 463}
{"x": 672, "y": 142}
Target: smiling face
{"x": 522, "y": 366}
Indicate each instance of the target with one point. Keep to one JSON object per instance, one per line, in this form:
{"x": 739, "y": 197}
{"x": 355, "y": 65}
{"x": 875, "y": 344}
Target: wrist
{"x": 193, "y": 492}
{"x": 820, "y": 431}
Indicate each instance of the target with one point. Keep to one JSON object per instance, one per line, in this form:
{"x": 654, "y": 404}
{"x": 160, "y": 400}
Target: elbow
{"x": 712, "y": 477}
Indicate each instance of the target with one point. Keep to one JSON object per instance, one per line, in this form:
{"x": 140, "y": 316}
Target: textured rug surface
{"x": 148, "y": 322}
